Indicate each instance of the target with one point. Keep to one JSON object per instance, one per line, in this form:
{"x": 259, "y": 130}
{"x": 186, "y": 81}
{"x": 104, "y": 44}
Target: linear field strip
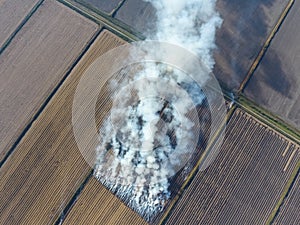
{"x": 34, "y": 63}
{"x": 41, "y": 176}
{"x": 111, "y": 24}
{"x": 245, "y": 182}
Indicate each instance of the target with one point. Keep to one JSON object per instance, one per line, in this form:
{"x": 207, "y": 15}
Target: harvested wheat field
{"x": 12, "y": 15}
{"x": 45, "y": 170}
{"x": 35, "y": 62}
{"x": 97, "y": 205}
{"x": 246, "y": 180}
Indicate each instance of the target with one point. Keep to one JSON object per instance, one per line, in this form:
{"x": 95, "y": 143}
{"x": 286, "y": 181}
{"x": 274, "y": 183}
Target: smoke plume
{"x": 151, "y": 130}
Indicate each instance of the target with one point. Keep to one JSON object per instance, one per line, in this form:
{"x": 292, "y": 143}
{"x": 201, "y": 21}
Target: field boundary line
{"x": 20, "y": 26}
{"x": 286, "y": 149}
{"x": 265, "y": 46}
{"x": 50, "y": 96}
{"x": 290, "y": 159}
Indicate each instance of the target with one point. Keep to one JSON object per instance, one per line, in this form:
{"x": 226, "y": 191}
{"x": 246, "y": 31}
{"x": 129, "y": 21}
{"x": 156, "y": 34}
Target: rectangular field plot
{"x": 275, "y": 84}
{"x": 12, "y": 13}
{"x": 34, "y": 63}
{"x": 245, "y": 181}
{"x": 45, "y": 170}
{"x": 289, "y": 211}
{"x": 97, "y": 205}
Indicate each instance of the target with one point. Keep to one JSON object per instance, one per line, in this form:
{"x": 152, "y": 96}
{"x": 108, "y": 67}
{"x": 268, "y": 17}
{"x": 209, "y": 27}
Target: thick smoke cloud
{"x": 191, "y": 24}
{"x": 150, "y": 131}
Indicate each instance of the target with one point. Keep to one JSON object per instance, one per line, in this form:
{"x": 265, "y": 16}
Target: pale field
{"x": 12, "y": 13}
{"x": 35, "y": 62}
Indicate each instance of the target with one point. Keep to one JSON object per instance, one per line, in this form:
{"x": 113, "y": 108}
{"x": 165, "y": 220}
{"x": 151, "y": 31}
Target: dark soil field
{"x": 275, "y": 84}
{"x": 246, "y": 25}
{"x": 139, "y": 15}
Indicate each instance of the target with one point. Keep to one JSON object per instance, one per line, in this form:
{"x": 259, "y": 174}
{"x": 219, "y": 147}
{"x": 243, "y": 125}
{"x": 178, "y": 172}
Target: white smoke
{"x": 148, "y": 135}
{"x": 191, "y": 24}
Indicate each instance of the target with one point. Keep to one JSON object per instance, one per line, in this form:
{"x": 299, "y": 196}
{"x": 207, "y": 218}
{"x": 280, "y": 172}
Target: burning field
{"x": 153, "y": 128}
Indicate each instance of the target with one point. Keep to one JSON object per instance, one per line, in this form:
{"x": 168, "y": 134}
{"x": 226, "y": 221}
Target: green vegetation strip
{"x": 265, "y": 46}
{"x": 284, "y": 194}
{"x": 269, "y": 119}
